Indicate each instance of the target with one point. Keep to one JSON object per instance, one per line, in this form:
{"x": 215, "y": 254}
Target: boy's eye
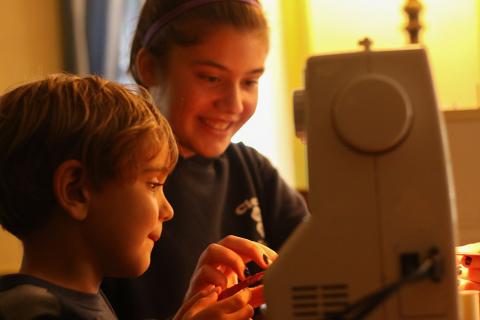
{"x": 154, "y": 185}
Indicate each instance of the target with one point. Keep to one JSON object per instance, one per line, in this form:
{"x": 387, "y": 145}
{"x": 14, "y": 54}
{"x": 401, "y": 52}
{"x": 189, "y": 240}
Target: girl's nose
{"x": 232, "y": 100}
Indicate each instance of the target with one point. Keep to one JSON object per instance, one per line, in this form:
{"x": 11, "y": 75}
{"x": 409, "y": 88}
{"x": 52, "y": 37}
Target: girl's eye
{"x": 251, "y": 83}
{"x": 209, "y": 78}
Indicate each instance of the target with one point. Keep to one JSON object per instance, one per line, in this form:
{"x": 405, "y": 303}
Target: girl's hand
{"x": 222, "y": 264}
{"x": 204, "y": 306}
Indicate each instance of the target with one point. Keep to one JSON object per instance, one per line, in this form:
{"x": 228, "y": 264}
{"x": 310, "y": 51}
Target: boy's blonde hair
{"x": 46, "y": 122}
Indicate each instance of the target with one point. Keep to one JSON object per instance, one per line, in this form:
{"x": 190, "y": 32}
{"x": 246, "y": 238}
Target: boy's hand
{"x": 468, "y": 266}
{"x": 204, "y": 306}
{"x": 222, "y": 264}
{"x": 251, "y": 282}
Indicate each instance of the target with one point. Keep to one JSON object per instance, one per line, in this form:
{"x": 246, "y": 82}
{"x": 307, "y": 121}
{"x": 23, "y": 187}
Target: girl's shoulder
{"x": 248, "y": 161}
{"x": 246, "y": 153}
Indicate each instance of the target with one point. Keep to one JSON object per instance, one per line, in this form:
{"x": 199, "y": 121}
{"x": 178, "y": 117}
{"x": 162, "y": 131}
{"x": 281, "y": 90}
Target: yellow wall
{"x": 30, "y": 40}
{"x": 30, "y": 47}
{"x": 451, "y": 33}
{"x": 296, "y": 49}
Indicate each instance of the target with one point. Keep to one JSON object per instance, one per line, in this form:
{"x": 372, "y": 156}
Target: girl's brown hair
{"x": 191, "y": 26}
{"x": 44, "y": 123}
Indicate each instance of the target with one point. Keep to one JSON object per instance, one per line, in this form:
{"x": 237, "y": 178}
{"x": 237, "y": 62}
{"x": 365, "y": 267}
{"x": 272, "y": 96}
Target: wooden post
{"x": 413, "y": 8}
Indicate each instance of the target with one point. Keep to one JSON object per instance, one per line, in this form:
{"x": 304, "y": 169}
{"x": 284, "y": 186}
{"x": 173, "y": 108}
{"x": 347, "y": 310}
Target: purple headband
{"x": 169, "y": 16}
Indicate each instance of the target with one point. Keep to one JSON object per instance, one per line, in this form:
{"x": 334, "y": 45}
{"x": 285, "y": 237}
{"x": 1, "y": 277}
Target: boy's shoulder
{"x": 26, "y": 297}
{"x": 28, "y": 301}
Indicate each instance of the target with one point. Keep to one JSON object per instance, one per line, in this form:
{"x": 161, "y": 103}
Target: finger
{"x": 232, "y": 277}
{"x": 269, "y": 256}
{"x": 217, "y": 255}
{"x": 258, "y": 297}
{"x": 250, "y": 250}
{"x": 246, "y": 312}
{"x": 199, "y": 301}
{"x": 235, "y": 307}
{"x": 235, "y": 302}
{"x": 250, "y": 281}
{"x": 205, "y": 276}
{"x": 213, "y": 312}
{"x": 272, "y": 254}
{"x": 228, "y": 272}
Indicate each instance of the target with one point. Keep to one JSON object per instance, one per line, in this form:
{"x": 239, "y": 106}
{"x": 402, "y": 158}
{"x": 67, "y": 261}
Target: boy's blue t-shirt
{"x": 26, "y": 297}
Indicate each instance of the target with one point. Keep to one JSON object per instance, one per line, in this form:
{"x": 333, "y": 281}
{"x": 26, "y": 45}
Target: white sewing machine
{"x": 379, "y": 192}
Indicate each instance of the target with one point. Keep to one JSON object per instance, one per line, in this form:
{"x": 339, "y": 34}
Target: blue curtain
{"x": 97, "y": 36}
{"x": 96, "y": 31}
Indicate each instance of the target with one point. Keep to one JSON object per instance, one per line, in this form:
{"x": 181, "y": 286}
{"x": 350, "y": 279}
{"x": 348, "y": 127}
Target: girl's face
{"x": 125, "y": 219}
{"x": 211, "y": 89}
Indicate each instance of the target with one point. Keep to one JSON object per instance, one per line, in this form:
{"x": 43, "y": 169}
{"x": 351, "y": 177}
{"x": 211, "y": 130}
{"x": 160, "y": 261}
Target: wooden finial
{"x": 413, "y": 8}
{"x": 366, "y": 43}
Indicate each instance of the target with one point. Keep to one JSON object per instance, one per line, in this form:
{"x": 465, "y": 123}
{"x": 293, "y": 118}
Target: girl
{"x": 201, "y": 60}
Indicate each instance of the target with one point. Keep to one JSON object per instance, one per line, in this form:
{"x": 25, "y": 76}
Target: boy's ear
{"x": 71, "y": 190}
{"x": 146, "y": 67}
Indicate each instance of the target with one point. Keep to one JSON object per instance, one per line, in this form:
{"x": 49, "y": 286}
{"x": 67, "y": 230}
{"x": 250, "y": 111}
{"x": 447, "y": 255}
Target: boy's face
{"x": 211, "y": 89}
{"x": 125, "y": 218}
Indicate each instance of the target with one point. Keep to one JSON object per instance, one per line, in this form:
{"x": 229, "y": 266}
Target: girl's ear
{"x": 71, "y": 190}
{"x": 146, "y": 67}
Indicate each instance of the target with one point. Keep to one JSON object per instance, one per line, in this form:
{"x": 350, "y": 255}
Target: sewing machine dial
{"x": 372, "y": 113}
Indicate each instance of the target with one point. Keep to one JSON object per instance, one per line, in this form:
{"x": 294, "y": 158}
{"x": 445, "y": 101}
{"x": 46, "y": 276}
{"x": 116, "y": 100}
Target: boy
{"x": 82, "y": 165}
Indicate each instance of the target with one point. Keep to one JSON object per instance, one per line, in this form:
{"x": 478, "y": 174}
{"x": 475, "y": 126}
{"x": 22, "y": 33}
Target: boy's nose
{"x": 166, "y": 211}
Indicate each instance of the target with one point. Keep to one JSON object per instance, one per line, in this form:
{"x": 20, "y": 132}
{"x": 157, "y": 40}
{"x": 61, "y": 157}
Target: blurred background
{"x": 39, "y": 37}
